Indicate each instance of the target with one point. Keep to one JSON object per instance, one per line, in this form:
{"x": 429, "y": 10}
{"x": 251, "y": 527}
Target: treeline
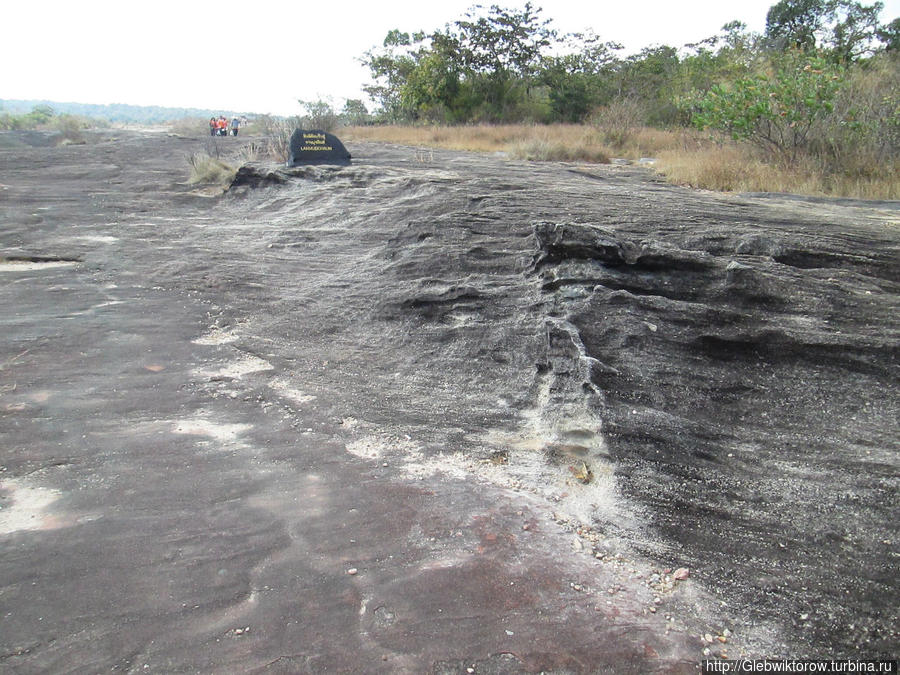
{"x": 511, "y": 65}
{"x": 114, "y": 112}
{"x": 43, "y": 117}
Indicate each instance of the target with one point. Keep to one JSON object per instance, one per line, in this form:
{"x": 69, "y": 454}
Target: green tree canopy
{"x": 846, "y": 29}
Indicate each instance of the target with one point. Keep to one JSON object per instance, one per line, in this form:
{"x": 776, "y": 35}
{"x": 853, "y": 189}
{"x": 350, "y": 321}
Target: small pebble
{"x": 352, "y": 571}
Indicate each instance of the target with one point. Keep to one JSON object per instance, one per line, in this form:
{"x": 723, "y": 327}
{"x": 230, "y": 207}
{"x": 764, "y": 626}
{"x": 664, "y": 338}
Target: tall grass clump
{"x": 543, "y": 150}
{"x": 209, "y": 170}
{"x": 252, "y": 152}
{"x": 277, "y": 132}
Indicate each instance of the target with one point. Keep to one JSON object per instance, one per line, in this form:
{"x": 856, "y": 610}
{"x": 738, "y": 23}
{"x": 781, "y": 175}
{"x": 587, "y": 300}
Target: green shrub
{"x": 776, "y": 111}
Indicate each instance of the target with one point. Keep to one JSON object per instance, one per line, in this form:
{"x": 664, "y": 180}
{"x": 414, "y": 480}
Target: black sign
{"x": 316, "y": 147}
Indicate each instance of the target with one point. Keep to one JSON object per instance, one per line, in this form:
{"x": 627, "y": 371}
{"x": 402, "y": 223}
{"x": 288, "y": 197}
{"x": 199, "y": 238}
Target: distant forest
{"x": 114, "y": 112}
{"x": 511, "y": 65}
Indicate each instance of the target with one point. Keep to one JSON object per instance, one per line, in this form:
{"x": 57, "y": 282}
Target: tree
{"x": 794, "y": 24}
{"x": 854, "y": 31}
{"x": 504, "y": 41}
{"x": 846, "y": 29}
{"x": 482, "y": 65}
{"x": 581, "y": 79}
{"x": 889, "y": 35}
{"x": 354, "y": 112}
{"x": 433, "y": 87}
{"x": 319, "y": 115}
{"x": 391, "y": 66}
{"x": 500, "y": 53}
{"x": 648, "y": 78}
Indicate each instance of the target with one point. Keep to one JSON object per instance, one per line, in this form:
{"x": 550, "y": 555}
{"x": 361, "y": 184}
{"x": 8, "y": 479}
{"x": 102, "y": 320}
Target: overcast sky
{"x": 263, "y": 56}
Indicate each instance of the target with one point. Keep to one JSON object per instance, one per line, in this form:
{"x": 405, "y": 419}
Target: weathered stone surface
{"x": 750, "y": 396}
{"x": 216, "y": 408}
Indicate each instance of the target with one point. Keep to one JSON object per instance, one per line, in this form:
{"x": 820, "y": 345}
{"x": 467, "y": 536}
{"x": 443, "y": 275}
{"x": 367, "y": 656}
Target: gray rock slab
{"x": 406, "y": 418}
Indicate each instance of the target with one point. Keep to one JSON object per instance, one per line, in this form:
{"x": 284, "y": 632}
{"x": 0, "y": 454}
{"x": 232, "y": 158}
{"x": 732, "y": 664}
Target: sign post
{"x": 316, "y": 147}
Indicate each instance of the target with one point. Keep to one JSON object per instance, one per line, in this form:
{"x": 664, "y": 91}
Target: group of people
{"x": 219, "y": 126}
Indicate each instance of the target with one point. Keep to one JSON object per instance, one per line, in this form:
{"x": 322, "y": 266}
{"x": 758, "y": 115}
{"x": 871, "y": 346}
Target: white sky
{"x": 263, "y": 56}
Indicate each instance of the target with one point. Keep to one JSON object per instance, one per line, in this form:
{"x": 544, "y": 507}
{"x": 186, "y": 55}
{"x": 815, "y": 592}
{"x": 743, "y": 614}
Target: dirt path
{"x": 430, "y": 416}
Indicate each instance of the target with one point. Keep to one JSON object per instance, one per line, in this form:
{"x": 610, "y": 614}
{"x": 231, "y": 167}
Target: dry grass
{"x": 209, "y": 170}
{"x": 735, "y": 168}
{"x": 566, "y": 142}
{"x": 548, "y": 151}
{"x": 253, "y": 151}
{"x": 475, "y": 139}
{"x": 684, "y": 156}
{"x": 190, "y": 127}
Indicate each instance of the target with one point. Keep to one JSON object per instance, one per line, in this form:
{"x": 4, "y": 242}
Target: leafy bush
{"x": 775, "y": 111}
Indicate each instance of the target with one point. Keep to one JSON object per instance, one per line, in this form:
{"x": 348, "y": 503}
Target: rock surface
{"x": 439, "y": 374}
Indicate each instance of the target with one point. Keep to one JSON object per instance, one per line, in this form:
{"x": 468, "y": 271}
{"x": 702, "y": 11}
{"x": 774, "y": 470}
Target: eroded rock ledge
{"x": 749, "y": 397}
